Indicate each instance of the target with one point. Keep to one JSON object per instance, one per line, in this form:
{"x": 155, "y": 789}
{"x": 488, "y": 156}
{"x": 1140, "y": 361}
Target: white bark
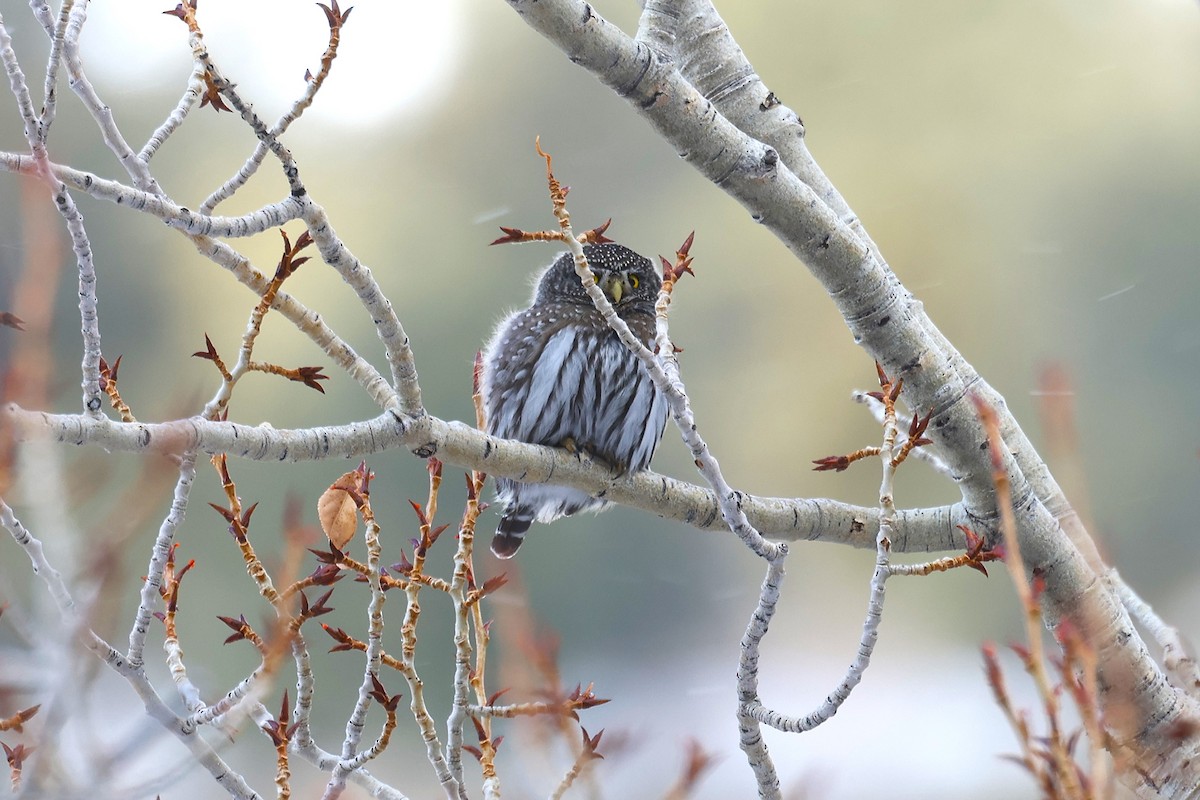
{"x": 918, "y": 530}
{"x": 781, "y": 188}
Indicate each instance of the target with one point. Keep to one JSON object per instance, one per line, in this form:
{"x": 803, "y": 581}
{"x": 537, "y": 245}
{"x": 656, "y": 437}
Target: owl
{"x": 556, "y": 374}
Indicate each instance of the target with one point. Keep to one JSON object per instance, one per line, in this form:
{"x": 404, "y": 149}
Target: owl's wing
{"x": 521, "y": 368}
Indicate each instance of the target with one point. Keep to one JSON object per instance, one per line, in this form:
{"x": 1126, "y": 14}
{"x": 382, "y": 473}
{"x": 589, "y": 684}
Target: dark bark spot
{"x": 769, "y": 102}
{"x": 650, "y": 101}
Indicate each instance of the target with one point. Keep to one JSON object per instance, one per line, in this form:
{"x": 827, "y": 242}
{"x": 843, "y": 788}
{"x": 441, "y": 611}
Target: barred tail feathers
{"x": 511, "y": 531}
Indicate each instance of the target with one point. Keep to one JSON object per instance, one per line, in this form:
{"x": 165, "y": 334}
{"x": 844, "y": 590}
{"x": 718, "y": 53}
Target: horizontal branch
{"x": 156, "y": 205}
{"x": 785, "y": 519}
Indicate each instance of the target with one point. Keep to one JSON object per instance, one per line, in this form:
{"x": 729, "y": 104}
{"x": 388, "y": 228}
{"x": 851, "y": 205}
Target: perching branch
{"x": 785, "y": 519}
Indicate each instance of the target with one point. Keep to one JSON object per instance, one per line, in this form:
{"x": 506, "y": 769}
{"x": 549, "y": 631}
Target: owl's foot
{"x": 585, "y": 453}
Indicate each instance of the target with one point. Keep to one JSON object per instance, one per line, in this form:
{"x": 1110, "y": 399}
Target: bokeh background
{"x": 1030, "y": 169}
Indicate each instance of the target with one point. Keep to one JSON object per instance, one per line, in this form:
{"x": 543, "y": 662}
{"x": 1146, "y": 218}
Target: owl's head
{"x": 625, "y": 277}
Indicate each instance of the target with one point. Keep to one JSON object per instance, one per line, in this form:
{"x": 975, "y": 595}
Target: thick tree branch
{"x": 785, "y": 519}
{"x": 1142, "y": 708}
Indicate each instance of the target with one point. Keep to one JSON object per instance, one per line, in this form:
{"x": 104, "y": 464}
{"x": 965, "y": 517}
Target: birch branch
{"x": 784, "y": 519}
{"x": 891, "y": 325}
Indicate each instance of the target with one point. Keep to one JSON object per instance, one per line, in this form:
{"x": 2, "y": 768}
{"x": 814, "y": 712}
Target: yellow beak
{"x": 615, "y": 289}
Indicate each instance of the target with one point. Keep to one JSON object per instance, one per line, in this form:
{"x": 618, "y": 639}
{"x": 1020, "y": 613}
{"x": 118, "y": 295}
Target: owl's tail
{"x": 511, "y": 531}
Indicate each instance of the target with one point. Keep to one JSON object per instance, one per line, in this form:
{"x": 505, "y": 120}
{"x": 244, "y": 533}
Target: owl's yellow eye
{"x": 633, "y": 281}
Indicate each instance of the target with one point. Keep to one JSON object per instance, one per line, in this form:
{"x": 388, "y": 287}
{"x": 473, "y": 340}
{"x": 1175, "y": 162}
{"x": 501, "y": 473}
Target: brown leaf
{"x": 338, "y": 512}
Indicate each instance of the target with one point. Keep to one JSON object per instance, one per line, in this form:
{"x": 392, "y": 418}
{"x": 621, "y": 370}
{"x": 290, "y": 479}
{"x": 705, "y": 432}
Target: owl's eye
{"x": 633, "y": 281}
{"x": 595, "y": 276}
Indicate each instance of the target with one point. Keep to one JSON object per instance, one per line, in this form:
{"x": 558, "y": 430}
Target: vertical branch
{"x": 172, "y": 648}
{"x": 88, "y": 313}
{"x": 729, "y": 501}
{"x": 101, "y": 112}
{"x": 891, "y": 457}
{"x": 50, "y": 104}
{"x": 749, "y": 730}
{"x": 677, "y": 399}
{"x": 487, "y": 750}
{"x": 305, "y": 688}
{"x": 387, "y": 324}
{"x": 488, "y": 744}
{"x": 159, "y": 554}
{"x": 408, "y": 638}
{"x": 460, "y": 586}
{"x": 35, "y": 136}
{"x": 374, "y": 653}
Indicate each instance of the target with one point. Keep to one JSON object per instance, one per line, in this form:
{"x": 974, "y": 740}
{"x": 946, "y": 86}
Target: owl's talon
{"x": 608, "y": 463}
{"x": 584, "y": 453}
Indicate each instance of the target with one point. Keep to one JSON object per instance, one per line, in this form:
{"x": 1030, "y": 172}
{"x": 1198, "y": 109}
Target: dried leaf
{"x": 338, "y": 512}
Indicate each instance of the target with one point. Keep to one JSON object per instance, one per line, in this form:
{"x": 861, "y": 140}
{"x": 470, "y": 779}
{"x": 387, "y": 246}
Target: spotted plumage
{"x": 556, "y": 374}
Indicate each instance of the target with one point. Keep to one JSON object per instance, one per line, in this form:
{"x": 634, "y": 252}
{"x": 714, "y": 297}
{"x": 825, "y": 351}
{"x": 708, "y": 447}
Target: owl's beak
{"x": 616, "y": 287}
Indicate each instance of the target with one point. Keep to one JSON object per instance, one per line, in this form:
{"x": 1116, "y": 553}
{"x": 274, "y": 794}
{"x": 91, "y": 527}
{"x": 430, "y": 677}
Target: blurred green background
{"x": 1031, "y": 170}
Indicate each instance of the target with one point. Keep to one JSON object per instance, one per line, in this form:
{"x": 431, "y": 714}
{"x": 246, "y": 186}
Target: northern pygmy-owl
{"x": 556, "y": 374}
